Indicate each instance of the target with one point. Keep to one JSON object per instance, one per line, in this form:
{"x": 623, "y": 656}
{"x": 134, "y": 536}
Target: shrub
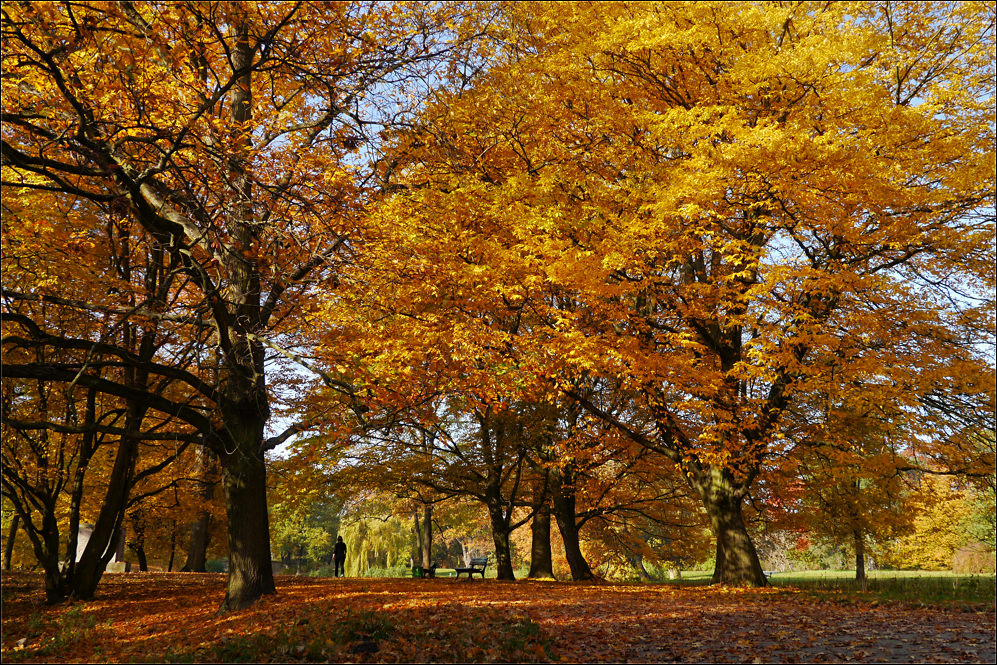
{"x": 974, "y": 559}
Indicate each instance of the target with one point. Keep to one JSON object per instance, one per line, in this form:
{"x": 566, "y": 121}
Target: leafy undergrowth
{"x": 174, "y": 618}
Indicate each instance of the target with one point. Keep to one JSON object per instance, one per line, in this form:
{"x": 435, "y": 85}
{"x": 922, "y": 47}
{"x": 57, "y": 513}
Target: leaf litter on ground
{"x": 173, "y": 617}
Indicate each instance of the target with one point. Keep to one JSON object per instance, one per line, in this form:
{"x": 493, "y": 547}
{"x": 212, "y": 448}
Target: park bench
{"x": 477, "y": 565}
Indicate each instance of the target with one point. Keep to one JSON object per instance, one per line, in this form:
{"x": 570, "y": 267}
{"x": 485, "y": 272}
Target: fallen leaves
{"x": 173, "y": 617}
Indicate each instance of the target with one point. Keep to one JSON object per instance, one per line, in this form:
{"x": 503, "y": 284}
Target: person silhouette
{"x": 339, "y": 558}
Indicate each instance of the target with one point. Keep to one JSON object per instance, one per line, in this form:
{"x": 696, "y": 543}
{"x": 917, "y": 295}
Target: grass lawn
{"x": 918, "y": 586}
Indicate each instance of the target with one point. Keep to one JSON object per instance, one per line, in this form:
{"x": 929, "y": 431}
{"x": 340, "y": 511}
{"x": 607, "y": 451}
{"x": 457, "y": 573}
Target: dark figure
{"x": 339, "y": 558}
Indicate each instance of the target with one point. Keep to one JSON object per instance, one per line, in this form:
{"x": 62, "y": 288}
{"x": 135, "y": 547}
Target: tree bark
{"x": 173, "y": 548}
{"x": 637, "y": 561}
{"x": 427, "y": 540}
{"x": 137, "y": 543}
{"x": 250, "y": 568}
{"x": 563, "y": 495}
{"x": 56, "y": 583}
{"x": 503, "y": 548}
{"x": 101, "y": 545}
{"x": 197, "y": 549}
{"x": 737, "y": 560}
{"x": 244, "y": 405}
{"x": 8, "y": 550}
{"x": 541, "y": 560}
{"x": 859, "y": 555}
{"x": 417, "y": 528}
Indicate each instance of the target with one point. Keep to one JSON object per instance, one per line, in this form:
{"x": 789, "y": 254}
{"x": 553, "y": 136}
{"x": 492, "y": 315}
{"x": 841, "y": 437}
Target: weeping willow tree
{"x": 376, "y": 537}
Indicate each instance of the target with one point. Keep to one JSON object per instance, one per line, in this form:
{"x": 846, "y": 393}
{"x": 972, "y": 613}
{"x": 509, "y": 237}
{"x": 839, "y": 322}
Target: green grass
{"x": 906, "y": 585}
{"x": 919, "y": 586}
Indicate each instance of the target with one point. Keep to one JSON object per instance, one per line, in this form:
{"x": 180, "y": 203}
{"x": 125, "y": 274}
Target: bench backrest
{"x": 479, "y": 561}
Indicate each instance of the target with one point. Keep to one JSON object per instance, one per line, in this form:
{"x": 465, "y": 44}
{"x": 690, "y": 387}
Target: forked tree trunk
{"x": 637, "y": 562}
{"x": 503, "y": 549}
{"x": 563, "y": 495}
{"x": 101, "y": 545}
{"x": 541, "y": 560}
{"x": 737, "y": 560}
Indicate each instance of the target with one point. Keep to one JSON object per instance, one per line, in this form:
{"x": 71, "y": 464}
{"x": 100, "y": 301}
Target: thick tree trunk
{"x": 427, "y": 540}
{"x": 503, "y": 548}
{"x": 244, "y": 405}
{"x": 564, "y": 512}
{"x": 250, "y": 568}
{"x": 541, "y": 561}
{"x": 8, "y": 550}
{"x": 737, "y": 560}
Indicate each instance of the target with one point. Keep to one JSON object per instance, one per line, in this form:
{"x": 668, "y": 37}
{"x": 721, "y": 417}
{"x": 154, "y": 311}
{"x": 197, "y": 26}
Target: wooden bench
{"x": 477, "y": 565}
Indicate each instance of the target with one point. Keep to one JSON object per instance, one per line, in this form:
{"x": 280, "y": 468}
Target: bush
{"x": 216, "y": 566}
{"x": 974, "y": 559}
{"x": 393, "y": 571}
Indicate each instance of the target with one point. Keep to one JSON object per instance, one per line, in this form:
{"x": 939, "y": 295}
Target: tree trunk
{"x": 173, "y": 547}
{"x": 197, "y": 549}
{"x": 137, "y": 543}
{"x": 859, "y": 555}
{"x": 417, "y": 528}
{"x": 637, "y": 562}
{"x": 427, "y": 539}
{"x": 737, "y": 561}
{"x": 503, "y": 549}
{"x": 563, "y": 495}
{"x": 101, "y": 545}
{"x": 8, "y": 550}
{"x": 541, "y": 561}
{"x": 244, "y": 403}
{"x": 250, "y": 568}
{"x": 47, "y": 552}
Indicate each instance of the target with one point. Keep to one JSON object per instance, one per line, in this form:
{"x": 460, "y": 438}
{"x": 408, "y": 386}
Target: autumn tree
{"x": 725, "y": 209}
{"x": 234, "y": 137}
{"x": 60, "y": 436}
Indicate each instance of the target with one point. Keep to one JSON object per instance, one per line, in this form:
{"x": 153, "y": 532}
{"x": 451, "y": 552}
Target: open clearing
{"x": 173, "y": 617}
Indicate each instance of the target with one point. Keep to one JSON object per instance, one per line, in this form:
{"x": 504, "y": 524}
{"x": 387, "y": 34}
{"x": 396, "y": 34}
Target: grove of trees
{"x": 648, "y": 273}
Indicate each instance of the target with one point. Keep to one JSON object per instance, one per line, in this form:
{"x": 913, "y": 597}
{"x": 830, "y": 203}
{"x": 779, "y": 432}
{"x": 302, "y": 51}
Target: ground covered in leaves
{"x": 140, "y": 617}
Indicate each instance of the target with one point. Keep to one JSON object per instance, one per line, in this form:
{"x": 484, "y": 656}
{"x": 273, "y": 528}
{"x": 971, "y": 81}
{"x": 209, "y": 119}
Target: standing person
{"x": 339, "y": 558}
